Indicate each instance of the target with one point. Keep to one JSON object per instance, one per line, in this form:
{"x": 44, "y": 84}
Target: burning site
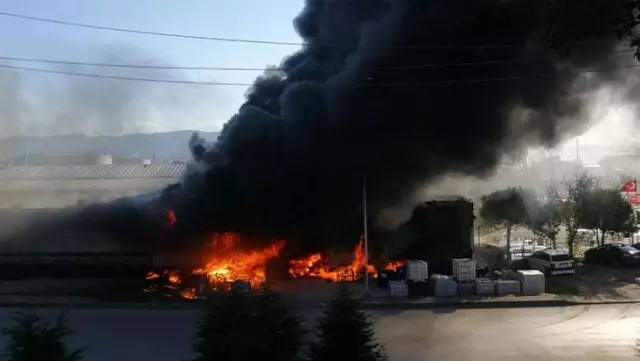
{"x": 387, "y": 96}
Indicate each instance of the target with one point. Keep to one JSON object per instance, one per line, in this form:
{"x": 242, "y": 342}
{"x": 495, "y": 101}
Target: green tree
{"x": 571, "y": 23}
{"x": 31, "y": 338}
{"x": 240, "y": 326}
{"x": 508, "y": 208}
{"x": 610, "y": 213}
{"x": 546, "y": 218}
{"x": 577, "y": 210}
{"x": 346, "y": 333}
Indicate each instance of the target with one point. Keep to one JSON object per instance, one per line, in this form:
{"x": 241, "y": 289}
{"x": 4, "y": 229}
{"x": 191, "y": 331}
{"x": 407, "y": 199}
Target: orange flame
{"x": 317, "y": 266}
{"x": 228, "y": 263}
{"x": 393, "y": 266}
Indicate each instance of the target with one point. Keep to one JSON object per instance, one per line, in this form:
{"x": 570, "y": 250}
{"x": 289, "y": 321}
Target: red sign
{"x": 634, "y": 199}
{"x": 630, "y": 186}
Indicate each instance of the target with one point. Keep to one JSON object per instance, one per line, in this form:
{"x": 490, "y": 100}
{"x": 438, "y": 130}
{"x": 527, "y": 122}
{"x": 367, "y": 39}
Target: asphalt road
{"x": 605, "y": 332}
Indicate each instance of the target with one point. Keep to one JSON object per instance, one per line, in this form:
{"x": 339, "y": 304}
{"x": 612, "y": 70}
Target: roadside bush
{"x": 345, "y": 333}
{"x": 31, "y": 338}
{"x": 237, "y": 326}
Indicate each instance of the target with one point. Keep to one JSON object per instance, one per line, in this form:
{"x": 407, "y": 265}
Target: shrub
{"x": 31, "y": 338}
{"x": 346, "y": 333}
{"x": 239, "y": 326}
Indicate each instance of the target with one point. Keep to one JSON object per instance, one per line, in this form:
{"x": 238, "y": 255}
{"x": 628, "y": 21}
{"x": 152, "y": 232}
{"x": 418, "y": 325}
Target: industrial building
{"x": 51, "y": 187}
{"x": 37, "y": 191}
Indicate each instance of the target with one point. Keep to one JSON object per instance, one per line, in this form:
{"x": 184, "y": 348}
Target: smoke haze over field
{"x": 48, "y": 104}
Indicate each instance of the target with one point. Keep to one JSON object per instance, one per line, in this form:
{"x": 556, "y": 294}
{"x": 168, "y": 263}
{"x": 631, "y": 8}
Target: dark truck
{"x": 438, "y": 231}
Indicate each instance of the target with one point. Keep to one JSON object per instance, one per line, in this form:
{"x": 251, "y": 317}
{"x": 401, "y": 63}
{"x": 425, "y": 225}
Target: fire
{"x": 229, "y": 263}
{"x": 317, "y": 266}
{"x": 152, "y": 276}
{"x": 170, "y": 280}
{"x": 172, "y": 219}
{"x": 393, "y": 266}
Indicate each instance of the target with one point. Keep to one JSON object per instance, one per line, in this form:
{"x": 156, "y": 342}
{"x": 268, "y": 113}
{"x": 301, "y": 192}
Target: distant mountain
{"x": 168, "y": 146}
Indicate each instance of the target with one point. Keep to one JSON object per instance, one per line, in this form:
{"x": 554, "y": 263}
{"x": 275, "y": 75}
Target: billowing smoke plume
{"x": 379, "y": 92}
{"x": 383, "y": 91}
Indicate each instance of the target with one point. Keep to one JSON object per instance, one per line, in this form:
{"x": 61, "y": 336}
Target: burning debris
{"x": 168, "y": 283}
{"x": 228, "y": 265}
{"x": 318, "y": 266}
{"x": 229, "y": 262}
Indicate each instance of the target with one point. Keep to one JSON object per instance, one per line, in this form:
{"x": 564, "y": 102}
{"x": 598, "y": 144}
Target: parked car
{"x": 552, "y": 262}
{"x": 613, "y": 254}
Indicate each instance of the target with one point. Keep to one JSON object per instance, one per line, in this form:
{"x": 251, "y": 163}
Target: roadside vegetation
{"x": 559, "y": 216}
{"x": 32, "y": 338}
{"x": 234, "y": 326}
{"x": 244, "y": 326}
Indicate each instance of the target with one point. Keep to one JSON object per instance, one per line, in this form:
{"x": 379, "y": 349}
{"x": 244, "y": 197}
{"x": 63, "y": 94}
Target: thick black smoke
{"x": 379, "y": 92}
{"x": 383, "y": 90}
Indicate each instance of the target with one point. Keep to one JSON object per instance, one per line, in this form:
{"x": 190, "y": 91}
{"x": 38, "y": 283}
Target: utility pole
{"x": 366, "y": 238}
{"x": 578, "y": 162}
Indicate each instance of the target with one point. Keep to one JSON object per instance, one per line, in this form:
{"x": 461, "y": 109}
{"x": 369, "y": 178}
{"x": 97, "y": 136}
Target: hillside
{"x": 166, "y": 146}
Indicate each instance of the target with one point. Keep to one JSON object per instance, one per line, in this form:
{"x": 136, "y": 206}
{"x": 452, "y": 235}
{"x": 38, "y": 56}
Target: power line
{"x": 123, "y": 65}
{"x": 190, "y": 82}
{"x": 366, "y": 85}
{"x": 257, "y": 41}
{"x": 143, "y": 32}
{"x": 497, "y": 79}
{"x": 218, "y": 68}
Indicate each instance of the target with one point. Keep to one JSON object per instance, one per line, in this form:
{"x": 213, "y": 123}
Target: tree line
{"x": 234, "y": 326}
{"x": 584, "y": 204}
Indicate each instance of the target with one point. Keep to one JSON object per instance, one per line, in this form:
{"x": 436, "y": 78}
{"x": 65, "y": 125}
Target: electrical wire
{"x": 499, "y": 79}
{"x": 255, "y": 41}
{"x": 218, "y": 68}
{"x": 172, "y": 81}
{"x": 386, "y": 85}
{"x": 143, "y": 32}
{"x": 123, "y": 65}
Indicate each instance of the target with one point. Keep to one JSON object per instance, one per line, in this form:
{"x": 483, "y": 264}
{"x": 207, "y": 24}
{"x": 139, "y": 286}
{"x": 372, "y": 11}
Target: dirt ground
{"x": 598, "y": 282}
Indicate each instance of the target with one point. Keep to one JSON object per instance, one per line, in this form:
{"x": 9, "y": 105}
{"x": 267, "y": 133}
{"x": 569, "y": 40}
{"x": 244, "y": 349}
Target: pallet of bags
{"x": 417, "y": 271}
{"x": 507, "y": 287}
{"x": 443, "y": 286}
{"x": 533, "y": 282}
{"x": 466, "y": 288}
{"x": 464, "y": 269}
{"x": 398, "y": 289}
{"x": 485, "y": 286}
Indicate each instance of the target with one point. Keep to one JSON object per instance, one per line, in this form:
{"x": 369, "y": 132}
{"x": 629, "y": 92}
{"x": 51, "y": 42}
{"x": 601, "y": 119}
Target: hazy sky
{"x": 252, "y": 19}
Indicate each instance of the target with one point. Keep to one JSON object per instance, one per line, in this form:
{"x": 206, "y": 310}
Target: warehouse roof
{"x": 115, "y": 171}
